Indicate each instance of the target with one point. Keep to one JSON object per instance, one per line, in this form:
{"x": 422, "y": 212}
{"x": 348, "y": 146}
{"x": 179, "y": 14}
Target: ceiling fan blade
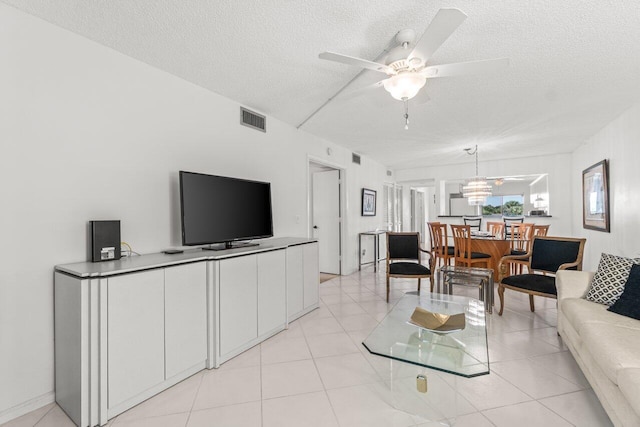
{"x": 375, "y": 88}
{"x": 350, "y": 60}
{"x": 441, "y": 27}
{"x": 464, "y": 68}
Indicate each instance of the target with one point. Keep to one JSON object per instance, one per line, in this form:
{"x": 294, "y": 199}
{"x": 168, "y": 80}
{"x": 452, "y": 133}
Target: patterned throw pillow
{"x": 629, "y": 302}
{"x": 608, "y": 283}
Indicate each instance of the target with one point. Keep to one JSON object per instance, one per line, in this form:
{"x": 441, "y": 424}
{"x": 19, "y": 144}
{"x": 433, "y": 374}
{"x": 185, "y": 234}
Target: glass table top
{"x": 462, "y": 352}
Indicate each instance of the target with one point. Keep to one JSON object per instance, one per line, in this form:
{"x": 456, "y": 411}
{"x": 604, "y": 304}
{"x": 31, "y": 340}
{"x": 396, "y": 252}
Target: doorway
{"x": 326, "y": 214}
{"x": 418, "y": 218}
{"x": 392, "y": 196}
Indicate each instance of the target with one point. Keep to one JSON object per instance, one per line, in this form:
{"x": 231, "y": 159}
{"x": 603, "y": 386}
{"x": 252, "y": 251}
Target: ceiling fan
{"x": 406, "y": 65}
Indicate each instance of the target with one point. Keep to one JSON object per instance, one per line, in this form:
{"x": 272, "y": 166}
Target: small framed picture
{"x": 368, "y": 202}
{"x": 595, "y": 197}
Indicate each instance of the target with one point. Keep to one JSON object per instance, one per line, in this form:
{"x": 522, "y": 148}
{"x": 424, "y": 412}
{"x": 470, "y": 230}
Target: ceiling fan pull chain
{"x": 406, "y": 113}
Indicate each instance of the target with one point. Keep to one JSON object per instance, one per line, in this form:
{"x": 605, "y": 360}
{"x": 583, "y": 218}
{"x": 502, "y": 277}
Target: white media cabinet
{"x": 126, "y": 330}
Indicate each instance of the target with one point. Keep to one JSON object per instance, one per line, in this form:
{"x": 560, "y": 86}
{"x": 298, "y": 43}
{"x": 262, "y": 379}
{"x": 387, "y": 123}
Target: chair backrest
{"x": 461, "y": 241}
{"x": 509, "y": 221}
{"x": 475, "y": 222}
{"x": 433, "y": 237}
{"x": 404, "y": 246}
{"x": 496, "y": 229}
{"x": 540, "y": 230}
{"x": 548, "y": 254}
{"x": 521, "y": 235}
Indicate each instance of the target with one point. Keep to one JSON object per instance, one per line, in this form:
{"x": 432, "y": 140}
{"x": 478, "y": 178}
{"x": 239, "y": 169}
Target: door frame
{"x": 343, "y": 203}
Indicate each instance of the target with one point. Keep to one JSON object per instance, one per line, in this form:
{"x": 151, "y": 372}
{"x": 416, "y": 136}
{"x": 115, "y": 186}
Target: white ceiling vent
{"x": 355, "y": 158}
{"x": 253, "y": 120}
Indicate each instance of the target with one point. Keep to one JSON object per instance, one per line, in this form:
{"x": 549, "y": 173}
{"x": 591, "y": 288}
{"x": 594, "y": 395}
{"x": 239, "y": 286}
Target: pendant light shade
{"x": 476, "y": 189}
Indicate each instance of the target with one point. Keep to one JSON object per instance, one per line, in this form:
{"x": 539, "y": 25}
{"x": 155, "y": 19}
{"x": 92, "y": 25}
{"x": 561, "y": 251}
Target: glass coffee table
{"x": 464, "y": 353}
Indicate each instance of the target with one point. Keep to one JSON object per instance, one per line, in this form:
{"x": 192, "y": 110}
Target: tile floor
{"x": 317, "y": 373}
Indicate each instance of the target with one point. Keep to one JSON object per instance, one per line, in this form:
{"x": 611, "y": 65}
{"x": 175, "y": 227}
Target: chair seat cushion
{"x": 408, "y": 269}
{"x": 533, "y": 282}
{"x": 518, "y": 252}
{"x": 477, "y": 255}
{"x": 449, "y": 250}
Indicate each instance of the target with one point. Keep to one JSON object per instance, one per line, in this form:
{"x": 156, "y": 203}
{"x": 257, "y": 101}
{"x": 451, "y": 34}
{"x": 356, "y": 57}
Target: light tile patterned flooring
{"x": 317, "y": 373}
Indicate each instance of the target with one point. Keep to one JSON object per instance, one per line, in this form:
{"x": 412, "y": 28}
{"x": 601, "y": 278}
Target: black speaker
{"x": 105, "y": 240}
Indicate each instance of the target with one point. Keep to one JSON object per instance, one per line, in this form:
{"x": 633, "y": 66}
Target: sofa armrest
{"x": 573, "y": 284}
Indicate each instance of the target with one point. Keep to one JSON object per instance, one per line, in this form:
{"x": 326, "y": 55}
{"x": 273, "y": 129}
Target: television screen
{"x": 216, "y": 209}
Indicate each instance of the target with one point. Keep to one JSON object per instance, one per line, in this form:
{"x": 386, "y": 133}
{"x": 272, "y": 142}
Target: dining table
{"x": 494, "y": 246}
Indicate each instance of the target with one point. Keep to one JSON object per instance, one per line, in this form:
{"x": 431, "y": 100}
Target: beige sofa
{"x": 605, "y": 345}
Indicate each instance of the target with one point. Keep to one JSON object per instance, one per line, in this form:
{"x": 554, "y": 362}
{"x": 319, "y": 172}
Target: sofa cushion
{"x": 608, "y": 282}
{"x": 629, "y": 302}
{"x": 579, "y": 312}
{"x": 629, "y": 383}
{"x": 613, "y": 347}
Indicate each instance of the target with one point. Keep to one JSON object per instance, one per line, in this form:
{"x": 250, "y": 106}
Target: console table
{"x": 125, "y": 330}
{"x": 376, "y": 248}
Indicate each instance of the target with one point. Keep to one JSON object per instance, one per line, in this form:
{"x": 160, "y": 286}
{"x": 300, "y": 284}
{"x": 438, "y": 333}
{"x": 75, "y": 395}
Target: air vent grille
{"x": 253, "y": 120}
{"x": 355, "y": 158}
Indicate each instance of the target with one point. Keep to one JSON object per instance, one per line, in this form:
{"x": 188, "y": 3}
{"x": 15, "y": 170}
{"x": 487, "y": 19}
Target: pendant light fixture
{"x": 476, "y": 189}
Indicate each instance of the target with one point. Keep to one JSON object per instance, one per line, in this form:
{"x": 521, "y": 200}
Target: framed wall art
{"x": 368, "y": 202}
{"x": 595, "y": 197}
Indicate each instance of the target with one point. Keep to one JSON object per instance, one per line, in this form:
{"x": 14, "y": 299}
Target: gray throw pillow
{"x": 608, "y": 282}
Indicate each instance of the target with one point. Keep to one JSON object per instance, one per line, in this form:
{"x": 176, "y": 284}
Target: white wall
{"x": 619, "y": 142}
{"x": 88, "y": 133}
{"x": 558, "y": 167}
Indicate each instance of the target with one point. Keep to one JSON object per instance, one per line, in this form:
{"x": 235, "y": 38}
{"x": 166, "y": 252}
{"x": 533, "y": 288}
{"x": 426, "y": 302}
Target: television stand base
{"x": 229, "y": 245}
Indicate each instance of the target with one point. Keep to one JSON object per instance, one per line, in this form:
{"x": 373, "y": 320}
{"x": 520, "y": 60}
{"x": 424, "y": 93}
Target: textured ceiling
{"x": 574, "y": 65}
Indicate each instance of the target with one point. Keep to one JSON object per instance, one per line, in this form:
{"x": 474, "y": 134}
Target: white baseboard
{"x": 26, "y": 407}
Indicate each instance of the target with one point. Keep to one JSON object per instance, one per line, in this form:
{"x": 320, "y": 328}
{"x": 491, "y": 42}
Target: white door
{"x": 326, "y": 219}
{"x": 419, "y": 215}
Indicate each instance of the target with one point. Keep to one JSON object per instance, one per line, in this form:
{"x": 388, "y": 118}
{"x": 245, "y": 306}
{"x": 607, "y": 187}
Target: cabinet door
{"x": 311, "y": 274}
{"x": 272, "y": 310}
{"x": 238, "y": 302}
{"x": 295, "y": 279}
{"x": 185, "y": 296}
{"x": 135, "y": 334}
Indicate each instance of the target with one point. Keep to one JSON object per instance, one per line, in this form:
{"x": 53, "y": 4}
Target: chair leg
{"x": 419, "y": 284}
{"x": 387, "y": 288}
{"x": 501, "y": 295}
{"x": 431, "y": 281}
{"x": 531, "y": 305}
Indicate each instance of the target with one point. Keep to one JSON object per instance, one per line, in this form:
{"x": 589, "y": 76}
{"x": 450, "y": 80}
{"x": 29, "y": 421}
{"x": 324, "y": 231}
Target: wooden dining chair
{"x": 521, "y": 235}
{"x": 540, "y": 230}
{"x": 520, "y": 243}
{"x": 509, "y": 221}
{"x": 546, "y": 257}
{"x": 475, "y": 222}
{"x": 496, "y": 229}
{"x": 462, "y": 248}
{"x": 404, "y": 258}
{"x": 440, "y": 250}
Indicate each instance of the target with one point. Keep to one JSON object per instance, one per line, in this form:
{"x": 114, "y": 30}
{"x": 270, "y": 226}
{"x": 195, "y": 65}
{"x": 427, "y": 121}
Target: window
{"x": 508, "y": 205}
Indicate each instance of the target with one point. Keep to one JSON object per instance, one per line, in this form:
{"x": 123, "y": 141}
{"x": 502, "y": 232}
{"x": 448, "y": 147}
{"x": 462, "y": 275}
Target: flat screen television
{"x": 219, "y": 209}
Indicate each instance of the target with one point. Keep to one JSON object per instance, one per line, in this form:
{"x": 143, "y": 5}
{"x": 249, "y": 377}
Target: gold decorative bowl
{"x": 437, "y": 322}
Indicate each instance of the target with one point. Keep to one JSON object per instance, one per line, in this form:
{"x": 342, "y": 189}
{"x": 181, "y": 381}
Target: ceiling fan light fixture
{"x": 404, "y": 85}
